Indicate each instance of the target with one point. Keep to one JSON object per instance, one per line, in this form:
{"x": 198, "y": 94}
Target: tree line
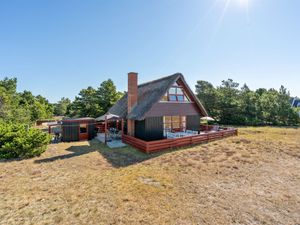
{"x": 90, "y": 102}
{"x": 21, "y": 107}
{"x": 230, "y": 104}
{"x": 26, "y": 108}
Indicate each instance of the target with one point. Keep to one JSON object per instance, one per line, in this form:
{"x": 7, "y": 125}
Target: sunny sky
{"x": 55, "y": 48}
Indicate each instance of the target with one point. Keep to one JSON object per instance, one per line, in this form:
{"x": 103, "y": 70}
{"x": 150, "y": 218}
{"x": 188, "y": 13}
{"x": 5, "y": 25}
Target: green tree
{"x": 37, "y": 106}
{"x": 269, "y": 106}
{"x": 19, "y": 140}
{"x": 249, "y": 106}
{"x": 228, "y": 103}
{"x": 85, "y": 104}
{"x": 94, "y": 102}
{"x": 107, "y": 95}
{"x": 21, "y": 107}
{"x": 207, "y": 94}
{"x": 286, "y": 114}
{"x": 61, "y": 107}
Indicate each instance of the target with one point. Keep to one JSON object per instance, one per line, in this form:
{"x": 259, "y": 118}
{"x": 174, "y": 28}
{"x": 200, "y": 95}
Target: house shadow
{"x": 126, "y": 156}
{"x": 74, "y": 152}
{"x": 116, "y": 157}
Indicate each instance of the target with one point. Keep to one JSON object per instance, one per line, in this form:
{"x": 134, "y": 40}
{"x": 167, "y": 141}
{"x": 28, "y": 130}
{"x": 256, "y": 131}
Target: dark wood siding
{"x": 172, "y": 109}
{"x": 70, "y": 129}
{"x": 193, "y": 122}
{"x": 139, "y": 129}
{"x": 154, "y": 128}
{"x": 92, "y": 129}
{"x": 149, "y": 129}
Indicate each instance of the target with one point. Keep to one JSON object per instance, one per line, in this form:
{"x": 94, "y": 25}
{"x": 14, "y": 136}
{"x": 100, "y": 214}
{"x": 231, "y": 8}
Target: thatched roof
{"x": 148, "y": 94}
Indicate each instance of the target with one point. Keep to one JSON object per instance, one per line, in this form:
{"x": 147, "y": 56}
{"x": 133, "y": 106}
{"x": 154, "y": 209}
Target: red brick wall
{"x": 132, "y": 99}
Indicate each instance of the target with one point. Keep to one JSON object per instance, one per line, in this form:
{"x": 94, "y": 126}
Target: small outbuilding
{"x": 79, "y": 129}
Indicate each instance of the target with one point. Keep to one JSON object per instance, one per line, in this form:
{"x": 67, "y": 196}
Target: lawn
{"x": 253, "y": 178}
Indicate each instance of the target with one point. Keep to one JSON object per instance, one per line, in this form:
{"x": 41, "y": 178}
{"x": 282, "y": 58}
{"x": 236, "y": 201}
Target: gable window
{"x": 172, "y": 98}
{"x": 175, "y": 94}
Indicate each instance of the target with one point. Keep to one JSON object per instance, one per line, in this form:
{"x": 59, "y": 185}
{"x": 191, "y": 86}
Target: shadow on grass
{"x": 76, "y": 151}
{"x": 126, "y": 156}
{"x": 118, "y": 157}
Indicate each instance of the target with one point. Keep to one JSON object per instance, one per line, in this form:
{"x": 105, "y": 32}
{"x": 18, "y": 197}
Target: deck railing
{"x": 155, "y": 146}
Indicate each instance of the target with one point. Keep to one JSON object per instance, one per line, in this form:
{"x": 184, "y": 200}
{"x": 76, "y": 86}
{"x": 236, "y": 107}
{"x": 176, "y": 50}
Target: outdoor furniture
{"x": 216, "y": 128}
{"x": 113, "y": 133}
{"x": 171, "y": 135}
{"x": 191, "y": 132}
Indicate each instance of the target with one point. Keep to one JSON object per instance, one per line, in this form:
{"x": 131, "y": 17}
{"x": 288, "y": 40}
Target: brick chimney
{"x": 132, "y": 99}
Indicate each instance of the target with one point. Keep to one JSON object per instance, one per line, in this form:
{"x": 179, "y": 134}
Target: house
{"x": 78, "y": 129}
{"x": 161, "y": 114}
{"x": 154, "y": 108}
{"x": 295, "y": 102}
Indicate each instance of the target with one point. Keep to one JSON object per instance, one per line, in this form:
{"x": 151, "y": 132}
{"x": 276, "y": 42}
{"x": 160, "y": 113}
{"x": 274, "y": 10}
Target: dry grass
{"x": 250, "y": 179}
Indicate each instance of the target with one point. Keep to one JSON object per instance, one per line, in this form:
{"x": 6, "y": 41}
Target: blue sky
{"x": 55, "y": 48}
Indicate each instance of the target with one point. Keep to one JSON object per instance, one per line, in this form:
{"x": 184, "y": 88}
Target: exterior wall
{"x": 173, "y": 109}
{"x": 193, "y": 122}
{"x": 140, "y": 129}
{"x": 92, "y": 130}
{"x": 149, "y": 129}
{"x": 70, "y": 130}
{"x": 154, "y": 128}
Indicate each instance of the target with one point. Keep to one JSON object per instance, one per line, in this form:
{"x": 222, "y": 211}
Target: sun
{"x": 243, "y": 3}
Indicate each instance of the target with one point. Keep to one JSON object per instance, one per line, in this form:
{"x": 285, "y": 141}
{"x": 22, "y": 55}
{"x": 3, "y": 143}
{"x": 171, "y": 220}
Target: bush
{"x": 18, "y": 140}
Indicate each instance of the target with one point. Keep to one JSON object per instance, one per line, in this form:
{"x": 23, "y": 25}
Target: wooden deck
{"x": 155, "y": 146}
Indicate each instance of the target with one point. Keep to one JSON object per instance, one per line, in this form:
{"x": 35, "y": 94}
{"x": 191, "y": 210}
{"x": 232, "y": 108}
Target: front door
{"x": 83, "y": 132}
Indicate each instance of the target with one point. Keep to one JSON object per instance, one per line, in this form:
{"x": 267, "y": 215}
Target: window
{"x": 172, "y": 90}
{"x": 174, "y": 124}
{"x": 175, "y": 94}
{"x": 165, "y": 98}
{"x": 172, "y": 98}
{"x": 83, "y": 128}
{"x": 179, "y": 91}
{"x": 180, "y": 98}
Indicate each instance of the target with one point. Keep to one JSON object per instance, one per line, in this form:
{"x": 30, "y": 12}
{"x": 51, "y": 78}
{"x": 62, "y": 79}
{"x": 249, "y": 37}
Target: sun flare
{"x": 243, "y": 3}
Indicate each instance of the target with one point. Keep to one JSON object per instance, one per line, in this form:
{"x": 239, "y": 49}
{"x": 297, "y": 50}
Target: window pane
{"x": 83, "y": 128}
{"x": 180, "y": 98}
{"x": 176, "y": 125}
{"x": 176, "y": 119}
{"x": 172, "y": 90}
{"x": 167, "y": 119}
{"x": 172, "y": 98}
{"x": 179, "y": 91}
{"x": 167, "y": 125}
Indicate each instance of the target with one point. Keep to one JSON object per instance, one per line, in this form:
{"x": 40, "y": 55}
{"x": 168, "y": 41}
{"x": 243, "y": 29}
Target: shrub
{"x": 18, "y": 140}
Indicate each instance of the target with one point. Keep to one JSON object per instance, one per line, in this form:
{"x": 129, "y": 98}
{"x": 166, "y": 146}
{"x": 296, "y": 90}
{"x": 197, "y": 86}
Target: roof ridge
{"x": 162, "y": 78}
